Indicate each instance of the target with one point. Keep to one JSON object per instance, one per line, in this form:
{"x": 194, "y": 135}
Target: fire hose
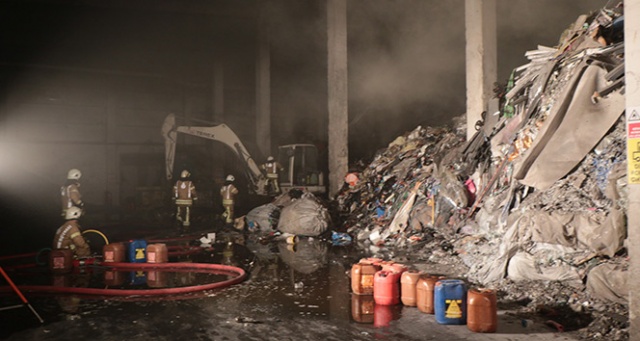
{"x": 238, "y": 276}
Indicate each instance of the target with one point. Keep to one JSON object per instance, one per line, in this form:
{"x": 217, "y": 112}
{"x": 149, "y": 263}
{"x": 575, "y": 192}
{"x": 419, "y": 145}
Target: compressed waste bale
{"x": 304, "y": 217}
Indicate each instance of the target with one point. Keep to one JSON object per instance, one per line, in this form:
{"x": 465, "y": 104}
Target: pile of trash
{"x": 537, "y": 195}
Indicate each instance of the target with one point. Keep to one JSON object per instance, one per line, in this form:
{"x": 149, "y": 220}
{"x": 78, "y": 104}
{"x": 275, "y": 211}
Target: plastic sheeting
{"x": 304, "y": 217}
{"x": 608, "y": 281}
{"x": 524, "y": 266}
{"x": 264, "y": 217}
{"x": 583, "y": 126}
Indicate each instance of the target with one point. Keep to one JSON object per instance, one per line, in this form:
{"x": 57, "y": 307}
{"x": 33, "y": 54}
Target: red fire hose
{"x": 239, "y": 273}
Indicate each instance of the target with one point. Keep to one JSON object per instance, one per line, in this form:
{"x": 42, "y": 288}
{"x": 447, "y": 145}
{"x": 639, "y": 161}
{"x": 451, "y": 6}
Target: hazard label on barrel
{"x": 453, "y": 309}
{"x": 140, "y": 253}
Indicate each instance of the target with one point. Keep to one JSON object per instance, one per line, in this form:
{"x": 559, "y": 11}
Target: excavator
{"x": 300, "y": 161}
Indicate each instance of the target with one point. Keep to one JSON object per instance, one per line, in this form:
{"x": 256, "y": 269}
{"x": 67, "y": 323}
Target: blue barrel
{"x": 137, "y": 251}
{"x": 450, "y": 301}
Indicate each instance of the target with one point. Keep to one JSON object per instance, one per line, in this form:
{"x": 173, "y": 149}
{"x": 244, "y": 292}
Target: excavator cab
{"x": 301, "y": 169}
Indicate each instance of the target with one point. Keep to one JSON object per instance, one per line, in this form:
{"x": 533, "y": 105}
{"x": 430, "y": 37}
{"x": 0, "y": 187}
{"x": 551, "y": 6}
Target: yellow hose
{"x": 106, "y": 240}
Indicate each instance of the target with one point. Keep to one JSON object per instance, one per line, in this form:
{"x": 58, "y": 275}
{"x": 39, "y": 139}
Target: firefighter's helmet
{"x": 74, "y": 174}
{"x": 73, "y": 212}
{"x": 270, "y": 159}
{"x": 185, "y": 174}
{"x": 231, "y": 178}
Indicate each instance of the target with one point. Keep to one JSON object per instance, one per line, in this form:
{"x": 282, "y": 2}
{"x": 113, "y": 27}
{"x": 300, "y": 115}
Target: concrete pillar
{"x": 112, "y": 152}
{"x": 218, "y": 91}
{"x": 338, "y": 129}
{"x": 482, "y": 60}
{"x": 263, "y": 86}
{"x": 632, "y": 93}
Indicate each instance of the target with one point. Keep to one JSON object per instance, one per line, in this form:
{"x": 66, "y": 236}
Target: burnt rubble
{"x": 534, "y": 204}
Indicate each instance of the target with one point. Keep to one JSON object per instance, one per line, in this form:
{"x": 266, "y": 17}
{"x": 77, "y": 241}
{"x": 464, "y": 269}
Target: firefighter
{"x": 68, "y": 236}
{"x": 228, "y": 193}
{"x": 70, "y": 192}
{"x": 272, "y": 167}
{"x": 184, "y": 193}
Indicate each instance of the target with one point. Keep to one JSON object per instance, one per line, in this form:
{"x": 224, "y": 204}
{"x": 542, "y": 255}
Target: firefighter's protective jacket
{"x": 69, "y": 236}
{"x": 272, "y": 169}
{"x": 70, "y": 194}
{"x": 228, "y": 192}
{"x": 184, "y": 191}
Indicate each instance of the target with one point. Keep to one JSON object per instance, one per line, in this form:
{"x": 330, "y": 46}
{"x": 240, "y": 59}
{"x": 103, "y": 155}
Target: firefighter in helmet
{"x": 70, "y": 192}
{"x": 228, "y": 193}
{"x": 68, "y": 236}
{"x": 184, "y": 193}
{"x": 272, "y": 167}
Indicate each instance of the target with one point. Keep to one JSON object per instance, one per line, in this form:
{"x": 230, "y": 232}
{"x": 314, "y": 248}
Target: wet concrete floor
{"x": 299, "y": 292}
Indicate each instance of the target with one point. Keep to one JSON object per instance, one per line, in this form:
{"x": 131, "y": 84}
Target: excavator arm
{"x": 221, "y": 133}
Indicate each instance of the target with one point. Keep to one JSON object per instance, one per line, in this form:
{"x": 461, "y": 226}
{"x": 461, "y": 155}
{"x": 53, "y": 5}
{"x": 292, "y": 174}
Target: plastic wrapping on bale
{"x": 265, "y": 217}
{"x": 304, "y": 217}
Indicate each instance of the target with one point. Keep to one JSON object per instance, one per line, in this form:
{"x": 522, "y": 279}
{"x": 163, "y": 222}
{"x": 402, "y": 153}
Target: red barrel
{"x": 386, "y": 288}
{"x": 424, "y": 292}
{"x": 362, "y": 308}
{"x": 157, "y": 253}
{"x": 408, "y": 281}
{"x": 362, "y": 278}
{"x": 61, "y": 260}
{"x": 113, "y": 252}
{"x": 482, "y": 310}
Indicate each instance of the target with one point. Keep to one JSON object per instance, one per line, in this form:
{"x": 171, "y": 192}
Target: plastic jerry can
{"x": 113, "y": 278}
{"x": 450, "y": 301}
{"x": 61, "y": 260}
{"x": 137, "y": 251}
{"x": 383, "y": 315}
{"x": 156, "y": 279}
{"x": 362, "y": 278}
{"x": 482, "y": 310}
{"x": 137, "y": 277}
{"x": 157, "y": 253}
{"x": 398, "y": 267}
{"x": 386, "y": 287}
{"x": 113, "y": 252}
{"x": 362, "y": 307}
{"x": 424, "y": 292}
{"x": 408, "y": 281}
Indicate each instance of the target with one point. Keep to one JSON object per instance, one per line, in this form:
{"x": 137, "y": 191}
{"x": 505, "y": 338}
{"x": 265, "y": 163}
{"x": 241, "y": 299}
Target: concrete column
{"x": 632, "y": 91}
{"x": 337, "y": 94}
{"x": 263, "y": 86}
{"x": 218, "y": 91}
{"x": 482, "y": 60}
{"x": 111, "y": 148}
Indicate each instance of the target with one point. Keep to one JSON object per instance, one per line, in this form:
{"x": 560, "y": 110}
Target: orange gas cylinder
{"x": 113, "y": 252}
{"x": 362, "y": 308}
{"x": 408, "y": 281}
{"x": 482, "y": 310}
{"x": 424, "y": 292}
{"x": 61, "y": 260}
{"x": 386, "y": 287}
{"x": 362, "y": 278}
{"x": 157, "y": 253}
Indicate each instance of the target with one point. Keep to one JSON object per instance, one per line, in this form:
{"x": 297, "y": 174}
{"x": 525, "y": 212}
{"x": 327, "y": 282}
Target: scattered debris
{"x": 535, "y": 204}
